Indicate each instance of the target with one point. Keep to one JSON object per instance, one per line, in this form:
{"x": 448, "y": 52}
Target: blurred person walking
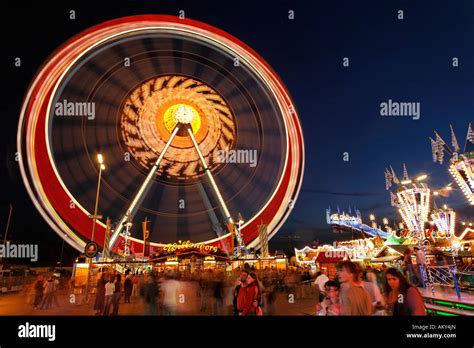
{"x": 39, "y": 286}
{"x": 420, "y": 266}
{"x": 48, "y": 294}
{"x": 170, "y": 294}
{"x": 150, "y": 294}
{"x": 117, "y": 292}
{"x": 408, "y": 265}
{"x": 319, "y": 282}
{"x": 218, "y": 293}
{"x": 378, "y": 301}
{"x": 127, "y": 288}
{"x": 109, "y": 295}
{"x": 270, "y": 291}
{"x": 135, "y": 285}
{"x": 54, "y": 298}
{"x": 100, "y": 296}
{"x": 206, "y": 292}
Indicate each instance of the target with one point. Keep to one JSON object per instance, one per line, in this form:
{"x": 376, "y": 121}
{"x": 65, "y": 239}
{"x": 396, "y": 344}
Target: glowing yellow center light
{"x": 182, "y": 113}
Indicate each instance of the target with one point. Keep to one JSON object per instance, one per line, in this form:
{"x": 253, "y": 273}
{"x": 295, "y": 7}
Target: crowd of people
{"x": 45, "y": 292}
{"x": 209, "y": 292}
{"x": 249, "y": 292}
{"x": 246, "y": 292}
{"x": 368, "y": 292}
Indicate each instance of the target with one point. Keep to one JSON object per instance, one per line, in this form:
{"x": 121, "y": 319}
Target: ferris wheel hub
{"x": 184, "y": 114}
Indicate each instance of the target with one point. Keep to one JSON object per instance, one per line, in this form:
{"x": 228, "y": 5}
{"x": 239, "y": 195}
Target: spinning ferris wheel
{"x": 194, "y": 127}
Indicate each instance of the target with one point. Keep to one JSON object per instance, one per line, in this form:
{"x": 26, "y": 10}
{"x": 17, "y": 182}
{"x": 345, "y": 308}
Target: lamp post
{"x": 100, "y": 159}
{"x": 61, "y": 258}
{"x": 6, "y": 231}
{"x": 94, "y": 218}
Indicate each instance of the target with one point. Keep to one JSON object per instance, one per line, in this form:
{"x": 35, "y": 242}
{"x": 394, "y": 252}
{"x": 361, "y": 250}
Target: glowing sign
{"x": 189, "y": 245}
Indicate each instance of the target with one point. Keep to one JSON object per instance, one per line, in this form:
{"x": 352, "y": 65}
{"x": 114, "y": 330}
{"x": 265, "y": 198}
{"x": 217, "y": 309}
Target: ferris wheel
{"x": 194, "y": 128}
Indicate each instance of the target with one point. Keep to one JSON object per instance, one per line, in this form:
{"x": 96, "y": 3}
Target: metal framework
{"x": 461, "y": 163}
{"x": 182, "y": 120}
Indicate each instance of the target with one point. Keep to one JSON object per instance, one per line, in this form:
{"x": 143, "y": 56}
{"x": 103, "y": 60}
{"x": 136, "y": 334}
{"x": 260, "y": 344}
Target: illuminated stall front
{"x": 189, "y": 261}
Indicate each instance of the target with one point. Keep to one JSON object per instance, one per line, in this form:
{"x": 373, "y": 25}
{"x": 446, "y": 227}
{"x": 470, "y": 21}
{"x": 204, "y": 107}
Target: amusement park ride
{"x": 461, "y": 163}
{"x": 423, "y": 222}
{"x": 413, "y": 196}
{"x": 168, "y": 96}
{"x": 353, "y": 223}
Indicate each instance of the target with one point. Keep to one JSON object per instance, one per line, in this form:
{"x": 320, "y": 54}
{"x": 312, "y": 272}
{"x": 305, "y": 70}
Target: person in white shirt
{"x": 109, "y": 295}
{"x": 170, "y": 292}
{"x": 320, "y": 281}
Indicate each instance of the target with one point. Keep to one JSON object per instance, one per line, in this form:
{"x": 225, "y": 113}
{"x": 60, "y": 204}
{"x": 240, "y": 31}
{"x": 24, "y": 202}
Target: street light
{"x": 61, "y": 258}
{"x": 94, "y": 218}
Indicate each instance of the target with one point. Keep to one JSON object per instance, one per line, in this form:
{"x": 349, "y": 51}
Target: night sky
{"x": 407, "y": 60}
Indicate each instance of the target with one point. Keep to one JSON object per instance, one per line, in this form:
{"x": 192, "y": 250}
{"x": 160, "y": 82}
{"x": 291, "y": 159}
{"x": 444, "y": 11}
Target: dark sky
{"x": 407, "y": 60}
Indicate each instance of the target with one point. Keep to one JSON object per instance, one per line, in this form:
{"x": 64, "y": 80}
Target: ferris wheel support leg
{"x": 227, "y": 217}
{"x": 222, "y": 205}
{"x": 142, "y": 191}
